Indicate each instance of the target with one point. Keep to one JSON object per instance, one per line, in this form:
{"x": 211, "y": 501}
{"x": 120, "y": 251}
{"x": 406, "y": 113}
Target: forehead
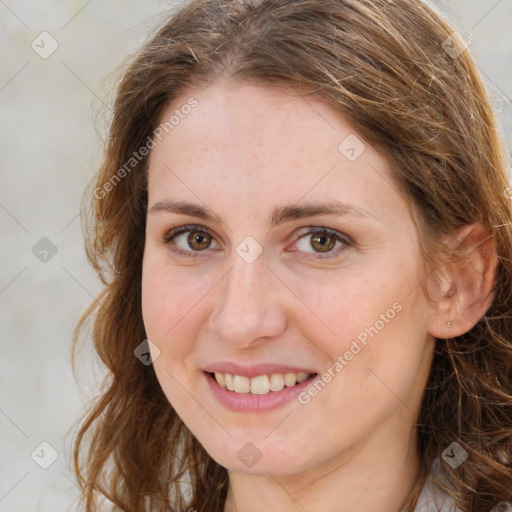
{"x": 248, "y": 144}
{"x": 231, "y": 114}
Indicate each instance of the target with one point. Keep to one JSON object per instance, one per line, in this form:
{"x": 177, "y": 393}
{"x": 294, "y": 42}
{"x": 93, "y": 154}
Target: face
{"x": 280, "y": 256}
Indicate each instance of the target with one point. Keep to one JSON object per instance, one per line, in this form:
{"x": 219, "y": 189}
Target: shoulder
{"x": 433, "y": 499}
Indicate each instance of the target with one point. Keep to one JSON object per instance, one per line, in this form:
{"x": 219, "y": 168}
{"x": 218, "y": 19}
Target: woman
{"x": 303, "y": 228}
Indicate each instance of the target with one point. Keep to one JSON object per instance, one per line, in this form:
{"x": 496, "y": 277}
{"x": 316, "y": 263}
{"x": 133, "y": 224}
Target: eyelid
{"x": 310, "y": 229}
{"x": 169, "y": 236}
{"x": 302, "y": 232}
{"x": 183, "y": 229}
{"x": 337, "y": 235}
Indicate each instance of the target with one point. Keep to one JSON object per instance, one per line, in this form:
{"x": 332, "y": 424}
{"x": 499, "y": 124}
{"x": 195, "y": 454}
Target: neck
{"x": 376, "y": 475}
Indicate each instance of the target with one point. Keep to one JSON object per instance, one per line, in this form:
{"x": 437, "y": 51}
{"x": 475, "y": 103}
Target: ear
{"x": 466, "y": 289}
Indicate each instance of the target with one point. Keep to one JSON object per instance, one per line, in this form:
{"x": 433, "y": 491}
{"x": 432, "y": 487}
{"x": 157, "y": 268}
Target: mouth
{"x": 259, "y": 393}
{"x": 261, "y": 384}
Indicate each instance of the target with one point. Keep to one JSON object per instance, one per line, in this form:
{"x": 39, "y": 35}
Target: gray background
{"x": 49, "y": 149}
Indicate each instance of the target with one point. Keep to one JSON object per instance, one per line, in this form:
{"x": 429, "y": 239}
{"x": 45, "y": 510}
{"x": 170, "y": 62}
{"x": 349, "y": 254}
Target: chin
{"x": 258, "y": 456}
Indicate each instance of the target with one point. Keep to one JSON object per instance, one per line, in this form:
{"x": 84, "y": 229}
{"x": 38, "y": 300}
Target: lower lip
{"x": 247, "y": 402}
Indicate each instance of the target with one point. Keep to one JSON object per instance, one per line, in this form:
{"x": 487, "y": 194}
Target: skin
{"x": 241, "y": 152}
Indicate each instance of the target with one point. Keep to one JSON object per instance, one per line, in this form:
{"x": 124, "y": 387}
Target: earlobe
{"x": 467, "y": 287}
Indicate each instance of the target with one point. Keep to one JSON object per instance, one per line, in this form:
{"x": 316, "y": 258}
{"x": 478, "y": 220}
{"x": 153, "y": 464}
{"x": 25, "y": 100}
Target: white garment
{"x": 432, "y": 499}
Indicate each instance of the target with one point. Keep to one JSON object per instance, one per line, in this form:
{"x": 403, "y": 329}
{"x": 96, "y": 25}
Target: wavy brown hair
{"x": 385, "y": 66}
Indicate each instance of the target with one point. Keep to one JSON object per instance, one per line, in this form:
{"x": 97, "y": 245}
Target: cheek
{"x": 168, "y": 306}
{"x": 374, "y": 337}
{"x": 368, "y": 315}
{"x": 168, "y": 297}
{"x": 338, "y": 308}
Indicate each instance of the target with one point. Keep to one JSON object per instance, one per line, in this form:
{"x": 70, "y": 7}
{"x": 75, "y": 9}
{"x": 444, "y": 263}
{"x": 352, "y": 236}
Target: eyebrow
{"x": 279, "y": 214}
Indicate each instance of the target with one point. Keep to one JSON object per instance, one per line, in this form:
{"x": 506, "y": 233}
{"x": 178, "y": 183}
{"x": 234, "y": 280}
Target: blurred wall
{"x": 54, "y": 57}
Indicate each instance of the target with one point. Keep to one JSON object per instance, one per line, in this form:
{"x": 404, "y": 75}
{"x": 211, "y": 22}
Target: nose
{"x": 248, "y": 308}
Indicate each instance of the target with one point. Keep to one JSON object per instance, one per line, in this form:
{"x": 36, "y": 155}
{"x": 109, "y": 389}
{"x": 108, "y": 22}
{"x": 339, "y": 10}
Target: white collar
{"x": 433, "y": 499}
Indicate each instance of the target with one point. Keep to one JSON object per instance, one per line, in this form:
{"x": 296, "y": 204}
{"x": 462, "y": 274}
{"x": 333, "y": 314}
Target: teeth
{"x": 301, "y": 377}
{"x": 219, "y": 377}
{"x": 276, "y": 382}
{"x": 290, "y": 379}
{"x": 228, "y": 379}
{"x": 241, "y": 384}
{"x": 260, "y": 385}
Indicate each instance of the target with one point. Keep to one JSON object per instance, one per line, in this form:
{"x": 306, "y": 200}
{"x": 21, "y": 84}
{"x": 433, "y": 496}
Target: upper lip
{"x": 254, "y": 370}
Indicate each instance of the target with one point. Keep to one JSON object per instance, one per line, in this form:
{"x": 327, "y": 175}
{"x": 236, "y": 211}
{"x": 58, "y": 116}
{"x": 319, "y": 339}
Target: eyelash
{"x": 168, "y": 239}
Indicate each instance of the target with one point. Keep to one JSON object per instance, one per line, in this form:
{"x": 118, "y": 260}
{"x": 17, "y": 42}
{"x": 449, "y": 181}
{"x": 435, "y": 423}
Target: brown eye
{"x": 199, "y": 240}
{"x": 322, "y": 242}
{"x": 189, "y": 241}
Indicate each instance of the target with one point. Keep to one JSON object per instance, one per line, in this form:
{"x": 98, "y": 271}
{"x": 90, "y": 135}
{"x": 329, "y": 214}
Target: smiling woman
{"x": 308, "y": 279}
